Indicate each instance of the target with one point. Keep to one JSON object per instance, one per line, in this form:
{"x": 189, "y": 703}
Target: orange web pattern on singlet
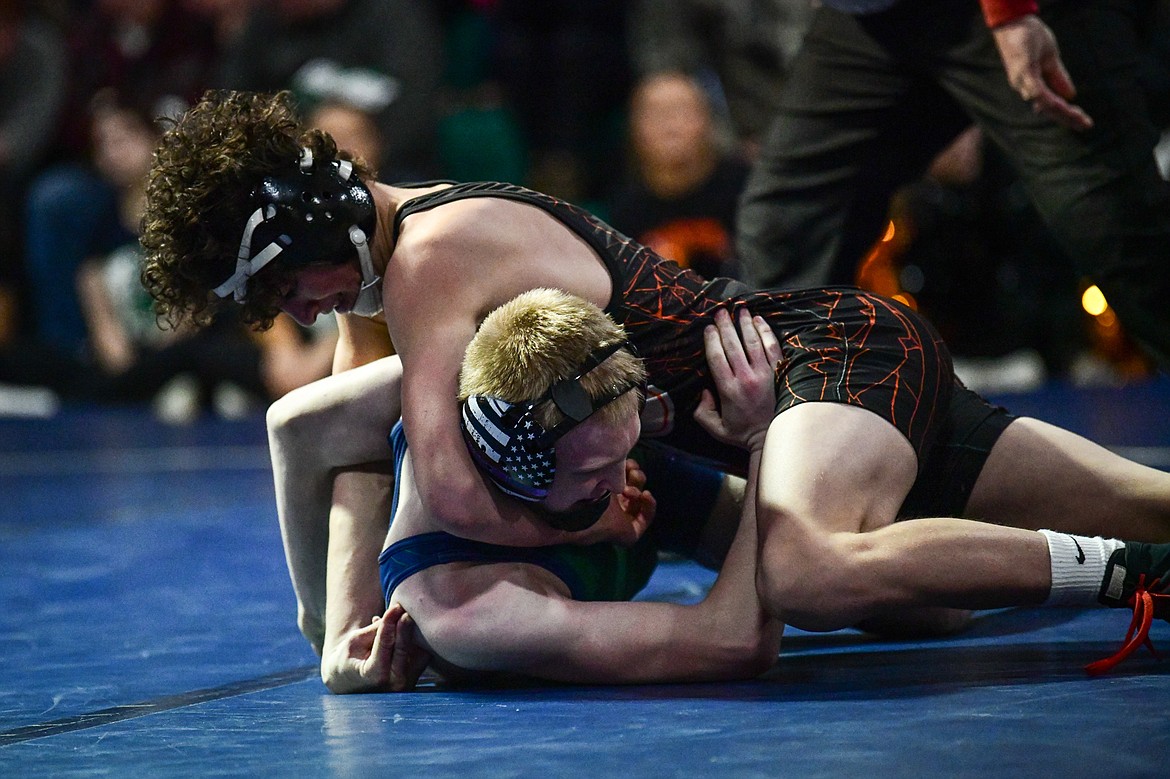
{"x": 907, "y": 382}
{"x": 840, "y": 344}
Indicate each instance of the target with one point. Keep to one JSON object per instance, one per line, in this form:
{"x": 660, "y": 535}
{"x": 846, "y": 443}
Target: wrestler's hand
{"x": 629, "y": 514}
{"x": 383, "y": 656}
{"x": 1032, "y": 61}
{"x": 745, "y": 367}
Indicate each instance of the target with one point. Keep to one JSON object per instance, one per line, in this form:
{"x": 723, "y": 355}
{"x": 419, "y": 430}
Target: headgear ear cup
{"x": 512, "y": 449}
{"x": 522, "y": 463}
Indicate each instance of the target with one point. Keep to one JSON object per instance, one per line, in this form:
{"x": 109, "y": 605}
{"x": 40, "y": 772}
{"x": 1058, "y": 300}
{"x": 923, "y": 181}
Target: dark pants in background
{"x": 872, "y": 100}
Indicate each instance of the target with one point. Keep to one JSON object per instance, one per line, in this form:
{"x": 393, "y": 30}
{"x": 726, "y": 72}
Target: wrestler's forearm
{"x": 337, "y": 423}
{"x": 733, "y": 604}
{"x": 304, "y": 492}
{"x": 367, "y": 647}
{"x": 353, "y": 592}
{"x": 518, "y": 626}
{"x": 526, "y": 630}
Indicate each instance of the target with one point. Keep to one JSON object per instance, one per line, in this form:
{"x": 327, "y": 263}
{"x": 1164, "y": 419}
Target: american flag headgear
{"x": 512, "y": 448}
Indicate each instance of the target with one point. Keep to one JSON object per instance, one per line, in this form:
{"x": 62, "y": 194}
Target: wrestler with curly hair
{"x": 200, "y": 194}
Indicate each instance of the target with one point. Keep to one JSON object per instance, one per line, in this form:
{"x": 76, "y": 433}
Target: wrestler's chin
{"x": 345, "y": 304}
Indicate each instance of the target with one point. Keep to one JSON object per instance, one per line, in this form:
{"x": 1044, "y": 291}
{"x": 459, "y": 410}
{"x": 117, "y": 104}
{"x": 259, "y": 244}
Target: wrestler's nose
{"x": 303, "y": 311}
{"x": 613, "y": 480}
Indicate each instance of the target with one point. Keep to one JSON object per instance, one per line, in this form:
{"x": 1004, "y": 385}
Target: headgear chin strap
{"x": 369, "y": 298}
{"x": 581, "y": 516}
{"x": 318, "y": 214}
{"x": 514, "y": 450}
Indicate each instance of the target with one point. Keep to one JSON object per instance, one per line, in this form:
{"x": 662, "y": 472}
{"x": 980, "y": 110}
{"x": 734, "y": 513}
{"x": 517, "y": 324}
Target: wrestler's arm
{"x": 431, "y": 332}
{"x": 517, "y": 618}
{"x": 364, "y": 653}
{"x": 367, "y": 648}
{"x": 338, "y": 422}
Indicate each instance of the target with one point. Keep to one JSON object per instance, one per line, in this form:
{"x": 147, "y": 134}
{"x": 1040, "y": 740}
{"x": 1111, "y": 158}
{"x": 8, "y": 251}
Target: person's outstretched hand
{"x": 1032, "y": 61}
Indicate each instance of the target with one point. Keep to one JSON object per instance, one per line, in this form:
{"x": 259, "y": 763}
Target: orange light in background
{"x": 1093, "y": 301}
{"x": 878, "y": 271}
{"x": 1109, "y": 339}
{"x": 1095, "y": 305}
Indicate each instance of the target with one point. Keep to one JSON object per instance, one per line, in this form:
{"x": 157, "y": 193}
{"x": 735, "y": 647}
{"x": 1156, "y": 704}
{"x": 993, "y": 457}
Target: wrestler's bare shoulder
{"x": 480, "y": 219}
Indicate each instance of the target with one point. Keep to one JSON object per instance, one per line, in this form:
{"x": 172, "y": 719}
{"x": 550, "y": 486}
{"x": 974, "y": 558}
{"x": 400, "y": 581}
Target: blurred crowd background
{"x": 647, "y": 112}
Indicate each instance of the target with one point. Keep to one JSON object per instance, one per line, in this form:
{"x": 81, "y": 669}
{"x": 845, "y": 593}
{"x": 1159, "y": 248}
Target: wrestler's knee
{"x": 290, "y": 416}
{"x": 815, "y": 579}
{"x": 794, "y": 579}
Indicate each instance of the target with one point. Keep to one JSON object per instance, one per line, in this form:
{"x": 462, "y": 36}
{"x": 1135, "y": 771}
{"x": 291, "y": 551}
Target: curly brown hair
{"x": 199, "y": 196}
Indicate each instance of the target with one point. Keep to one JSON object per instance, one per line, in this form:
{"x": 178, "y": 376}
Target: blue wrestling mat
{"x": 148, "y": 629}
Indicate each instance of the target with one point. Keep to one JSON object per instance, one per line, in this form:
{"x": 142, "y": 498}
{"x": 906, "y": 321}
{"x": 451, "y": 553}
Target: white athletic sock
{"x": 1078, "y": 567}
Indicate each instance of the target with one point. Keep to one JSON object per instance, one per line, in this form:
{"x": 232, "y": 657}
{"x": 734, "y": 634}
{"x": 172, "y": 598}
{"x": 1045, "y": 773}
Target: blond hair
{"x": 543, "y": 336}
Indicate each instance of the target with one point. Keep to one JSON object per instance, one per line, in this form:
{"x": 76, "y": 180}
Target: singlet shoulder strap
{"x": 457, "y": 191}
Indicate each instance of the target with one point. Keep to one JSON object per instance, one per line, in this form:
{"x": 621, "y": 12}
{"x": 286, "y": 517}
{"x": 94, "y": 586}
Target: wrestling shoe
{"x": 1137, "y": 577}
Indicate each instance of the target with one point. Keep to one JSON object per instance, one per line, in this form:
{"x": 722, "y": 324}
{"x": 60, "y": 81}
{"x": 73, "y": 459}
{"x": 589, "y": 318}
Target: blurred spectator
{"x": 384, "y": 56}
{"x": 120, "y": 325}
{"x": 479, "y": 136}
{"x": 32, "y": 80}
{"x": 155, "y": 56}
{"x": 682, "y": 195}
{"x": 564, "y": 68}
{"x": 742, "y": 47}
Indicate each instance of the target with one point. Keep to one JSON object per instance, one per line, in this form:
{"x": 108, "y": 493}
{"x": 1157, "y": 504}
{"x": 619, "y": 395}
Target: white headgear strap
{"x": 369, "y": 299}
{"x": 246, "y": 265}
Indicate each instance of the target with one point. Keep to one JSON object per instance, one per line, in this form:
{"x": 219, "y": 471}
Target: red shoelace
{"x": 1139, "y": 627}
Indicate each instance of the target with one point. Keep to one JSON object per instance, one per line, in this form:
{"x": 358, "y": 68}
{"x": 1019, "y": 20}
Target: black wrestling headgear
{"x": 320, "y": 213}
